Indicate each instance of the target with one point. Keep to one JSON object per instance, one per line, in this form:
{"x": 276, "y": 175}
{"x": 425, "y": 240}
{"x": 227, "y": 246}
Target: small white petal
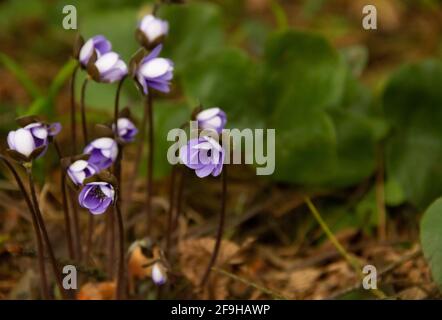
{"x": 103, "y": 143}
{"x": 78, "y": 165}
{"x": 207, "y": 114}
{"x": 24, "y": 142}
{"x": 155, "y": 68}
{"x": 106, "y": 61}
{"x": 158, "y": 274}
{"x": 86, "y": 51}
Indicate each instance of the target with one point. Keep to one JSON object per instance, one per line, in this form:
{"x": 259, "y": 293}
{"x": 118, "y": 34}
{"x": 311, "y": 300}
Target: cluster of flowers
{"x": 204, "y": 155}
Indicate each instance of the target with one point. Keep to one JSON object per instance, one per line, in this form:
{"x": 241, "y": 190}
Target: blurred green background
{"x": 349, "y": 105}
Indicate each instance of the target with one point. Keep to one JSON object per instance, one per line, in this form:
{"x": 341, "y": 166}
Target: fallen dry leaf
{"x": 97, "y": 291}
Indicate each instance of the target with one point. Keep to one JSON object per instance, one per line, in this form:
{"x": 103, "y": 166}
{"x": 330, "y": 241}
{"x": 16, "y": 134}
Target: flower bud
{"x": 159, "y": 274}
{"x": 212, "y": 119}
{"x": 153, "y": 72}
{"x": 126, "y": 130}
{"x": 151, "y": 31}
{"x": 103, "y": 152}
{"x": 81, "y": 170}
{"x": 97, "y": 45}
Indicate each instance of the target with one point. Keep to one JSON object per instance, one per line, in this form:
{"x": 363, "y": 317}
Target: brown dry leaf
{"x": 97, "y": 291}
{"x": 194, "y": 258}
{"x": 137, "y": 261}
{"x": 303, "y": 280}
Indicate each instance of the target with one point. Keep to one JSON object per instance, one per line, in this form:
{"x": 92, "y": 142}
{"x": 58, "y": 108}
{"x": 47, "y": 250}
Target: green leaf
{"x": 45, "y": 104}
{"x": 303, "y": 77}
{"x": 431, "y": 239}
{"x": 195, "y": 32}
{"x": 21, "y": 75}
{"x": 413, "y": 107}
{"x": 226, "y": 79}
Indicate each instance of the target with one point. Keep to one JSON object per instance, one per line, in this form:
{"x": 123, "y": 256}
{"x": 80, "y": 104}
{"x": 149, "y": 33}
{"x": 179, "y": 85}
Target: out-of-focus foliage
{"x": 413, "y": 107}
{"x": 431, "y": 239}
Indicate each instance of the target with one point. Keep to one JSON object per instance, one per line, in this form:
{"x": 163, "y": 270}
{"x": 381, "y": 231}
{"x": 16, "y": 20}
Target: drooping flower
{"x": 96, "y": 197}
{"x": 32, "y": 137}
{"x": 204, "y": 155}
{"x": 108, "y": 68}
{"x": 103, "y": 152}
{"x": 98, "y": 44}
{"x": 159, "y": 274}
{"x": 151, "y": 31}
{"x": 213, "y": 118}
{"x": 80, "y": 170}
{"x": 126, "y": 130}
{"x": 154, "y": 72}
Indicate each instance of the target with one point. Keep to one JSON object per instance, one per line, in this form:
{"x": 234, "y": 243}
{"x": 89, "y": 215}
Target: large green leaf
{"x": 413, "y": 106}
{"x": 195, "y": 32}
{"x": 226, "y": 79}
{"x": 303, "y": 77}
{"x": 431, "y": 239}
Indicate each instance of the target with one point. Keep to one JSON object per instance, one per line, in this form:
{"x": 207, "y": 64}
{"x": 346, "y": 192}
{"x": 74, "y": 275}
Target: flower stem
{"x": 170, "y": 211}
{"x": 83, "y": 111}
{"x": 150, "y": 157}
{"x": 76, "y": 224}
{"x": 117, "y": 173}
{"x": 64, "y": 201}
{"x": 40, "y": 249}
{"x": 121, "y": 288}
{"x": 44, "y": 232}
{"x": 179, "y": 198}
{"x": 138, "y": 155}
{"x": 73, "y": 113}
{"x": 219, "y": 234}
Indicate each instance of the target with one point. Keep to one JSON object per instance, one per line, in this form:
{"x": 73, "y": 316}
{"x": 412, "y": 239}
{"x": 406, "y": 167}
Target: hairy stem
{"x": 64, "y": 201}
{"x": 121, "y": 287}
{"x": 219, "y": 234}
{"x": 40, "y": 249}
{"x": 83, "y": 111}
{"x": 150, "y": 157}
{"x": 170, "y": 211}
{"x": 138, "y": 156}
{"x": 73, "y": 112}
{"x": 41, "y": 223}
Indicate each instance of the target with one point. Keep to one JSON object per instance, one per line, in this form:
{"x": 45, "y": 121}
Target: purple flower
{"x": 204, "y": 155}
{"x": 154, "y": 72}
{"x": 159, "y": 275}
{"x": 103, "y": 152}
{"x": 126, "y": 130}
{"x": 31, "y": 137}
{"x": 152, "y": 30}
{"x": 110, "y": 68}
{"x": 80, "y": 170}
{"x": 213, "y": 118}
{"x": 99, "y": 44}
{"x": 96, "y": 197}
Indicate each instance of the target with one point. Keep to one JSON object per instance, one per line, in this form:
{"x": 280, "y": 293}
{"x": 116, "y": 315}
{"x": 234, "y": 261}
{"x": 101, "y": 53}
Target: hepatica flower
{"x": 204, "y": 155}
{"x": 80, "y": 170}
{"x": 98, "y": 44}
{"x": 154, "y": 72}
{"x": 96, "y": 197}
{"x": 126, "y": 130}
{"x": 32, "y": 137}
{"x": 151, "y": 31}
{"x": 103, "y": 152}
{"x": 213, "y": 118}
{"x": 109, "y": 68}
